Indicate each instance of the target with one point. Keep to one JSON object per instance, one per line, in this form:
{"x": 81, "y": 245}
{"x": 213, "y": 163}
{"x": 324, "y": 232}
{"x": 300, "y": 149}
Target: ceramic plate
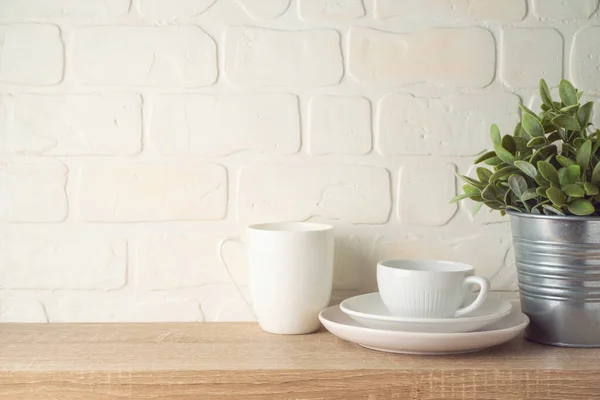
{"x": 369, "y": 310}
{"x": 344, "y": 327}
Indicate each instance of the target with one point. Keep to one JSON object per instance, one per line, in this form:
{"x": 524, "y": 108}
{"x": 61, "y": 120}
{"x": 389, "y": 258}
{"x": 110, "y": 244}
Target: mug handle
{"x": 485, "y": 288}
{"x": 237, "y": 287}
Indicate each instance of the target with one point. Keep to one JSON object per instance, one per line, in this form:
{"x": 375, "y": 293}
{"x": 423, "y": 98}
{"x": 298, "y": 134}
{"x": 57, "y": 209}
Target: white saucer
{"x": 369, "y": 310}
{"x": 346, "y": 328}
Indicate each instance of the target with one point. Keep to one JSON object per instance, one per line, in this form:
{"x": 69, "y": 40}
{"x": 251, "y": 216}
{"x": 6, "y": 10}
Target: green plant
{"x": 549, "y": 165}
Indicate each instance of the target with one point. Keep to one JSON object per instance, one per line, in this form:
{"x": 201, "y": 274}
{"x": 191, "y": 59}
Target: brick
{"x": 352, "y": 194}
{"x": 585, "y": 58}
{"x": 425, "y": 189}
{"x": 460, "y": 57}
{"x": 32, "y": 54}
{"x": 264, "y": 9}
{"x": 529, "y": 54}
{"x": 354, "y": 251}
{"x": 453, "y": 125}
{"x": 266, "y": 57}
{"x": 331, "y": 10}
{"x": 33, "y": 191}
{"x": 123, "y": 307}
{"x": 63, "y": 8}
{"x": 179, "y": 261}
{"x": 108, "y": 124}
{"x": 19, "y": 310}
{"x": 222, "y": 303}
{"x": 446, "y": 10}
{"x": 144, "y": 56}
{"x": 560, "y": 9}
{"x": 138, "y": 192}
{"x": 160, "y": 10}
{"x": 61, "y": 260}
{"x": 221, "y": 125}
{"x": 339, "y": 124}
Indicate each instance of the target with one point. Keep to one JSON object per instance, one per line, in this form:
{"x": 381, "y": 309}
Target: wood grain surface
{"x": 238, "y": 361}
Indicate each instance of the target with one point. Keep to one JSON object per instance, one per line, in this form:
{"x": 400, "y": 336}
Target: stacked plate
{"x": 365, "y": 320}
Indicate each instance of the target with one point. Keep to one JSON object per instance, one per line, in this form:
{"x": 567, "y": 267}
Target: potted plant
{"x": 546, "y": 177}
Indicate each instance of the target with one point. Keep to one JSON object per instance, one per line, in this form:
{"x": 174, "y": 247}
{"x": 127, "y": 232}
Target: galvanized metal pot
{"x": 558, "y": 265}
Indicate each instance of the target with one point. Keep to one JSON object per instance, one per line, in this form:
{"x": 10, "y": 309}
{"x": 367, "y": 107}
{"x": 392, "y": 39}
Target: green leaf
{"x": 541, "y": 191}
{"x": 568, "y": 109}
{"x": 484, "y": 174}
{"x": 529, "y": 194}
{"x": 508, "y": 142}
{"x": 564, "y": 161}
{"x": 541, "y": 180}
{"x": 574, "y": 190}
{"x": 568, "y": 175}
{"x": 517, "y": 184}
{"x": 477, "y": 208}
{"x": 526, "y": 110}
{"x": 503, "y": 173}
{"x": 495, "y": 134}
{"x": 532, "y": 125}
{"x": 536, "y": 141}
{"x": 569, "y": 148}
{"x": 520, "y": 132}
{"x": 553, "y": 137}
{"x": 545, "y": 94}
{"x": 596, "y": 143}
{"x": 566, "y": 122}
{"x": 590, "y": 189}
{"x": 585, "y": 113}
{"x": 521, "y": 144}
{"x": 552, "y": 210}
{"x": 472, "y": 181}
{"x": 539, "y": 205}
{"x": 542, "y": 152}
{"x": 494, "y": 205}
{"x": 460, "y": 197}
{"x": 548, "y": 171}
{"x": 493, "y": 160}
{"x": 556, "y": 196}
{"x": 504, "y": 154}
{"x": 578, "y": 142}
{"x": 567, "y": 93}
{"x": 470, "y": 189}
{"x": 489, "y": 193}
{"x": 596, "y": 174}
{"x": 484, "y": 156}
{"x": 581, "y": 207}
{"x": 583, "y": 155}
{"x": 526, "y": 167}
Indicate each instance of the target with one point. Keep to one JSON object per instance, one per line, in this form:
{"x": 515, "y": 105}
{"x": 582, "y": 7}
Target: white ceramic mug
{"x": 428, "y": 289}
{"x": 290, "y": 274}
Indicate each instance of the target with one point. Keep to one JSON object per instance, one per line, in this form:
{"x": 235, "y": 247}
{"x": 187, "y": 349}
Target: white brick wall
{"x": 137, "y": 136}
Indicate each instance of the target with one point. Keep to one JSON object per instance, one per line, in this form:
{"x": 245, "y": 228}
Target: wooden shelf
{"x": 204, "y": 361}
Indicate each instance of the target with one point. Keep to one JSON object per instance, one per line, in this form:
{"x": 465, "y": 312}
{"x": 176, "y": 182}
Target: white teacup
{"x": 428, "y": 289}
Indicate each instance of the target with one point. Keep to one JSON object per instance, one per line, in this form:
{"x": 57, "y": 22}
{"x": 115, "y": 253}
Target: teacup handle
{"x": 485, "y": 288}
